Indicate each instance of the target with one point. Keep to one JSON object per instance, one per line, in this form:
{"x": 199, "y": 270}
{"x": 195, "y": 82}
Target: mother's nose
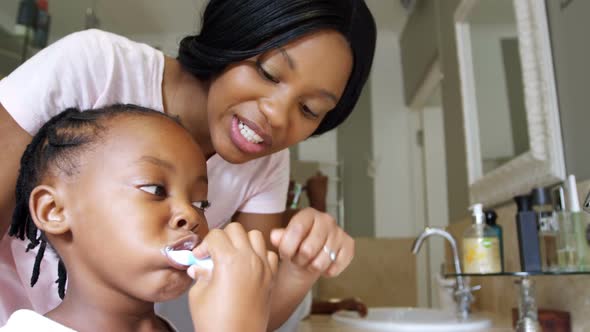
{"x": 276, "y": 109}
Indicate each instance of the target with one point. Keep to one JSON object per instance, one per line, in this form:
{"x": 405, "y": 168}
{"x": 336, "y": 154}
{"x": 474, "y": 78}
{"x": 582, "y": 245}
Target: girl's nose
{"x": 189, "y": 219}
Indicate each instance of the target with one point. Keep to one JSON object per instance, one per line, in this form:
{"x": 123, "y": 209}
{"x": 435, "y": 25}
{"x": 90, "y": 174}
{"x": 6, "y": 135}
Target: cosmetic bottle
{"x": 567, "y": 257}
{"x": 481, "y": 248}
{"x": 528, "y": 238}
{"x": 580, "y": 223}
{"x": 548, "y": 228}
{"x": 491, "y": 216}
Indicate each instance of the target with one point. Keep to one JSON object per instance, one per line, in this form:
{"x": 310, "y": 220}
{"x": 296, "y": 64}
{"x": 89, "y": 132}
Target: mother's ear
{"x": 47, "y": 210}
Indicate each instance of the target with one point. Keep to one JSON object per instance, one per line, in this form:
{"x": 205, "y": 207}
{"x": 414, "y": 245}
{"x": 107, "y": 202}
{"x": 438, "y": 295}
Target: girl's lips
{"x": 188, "y": 242}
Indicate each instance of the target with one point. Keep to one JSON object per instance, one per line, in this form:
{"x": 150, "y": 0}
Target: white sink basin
{"x": 411, "y": 320}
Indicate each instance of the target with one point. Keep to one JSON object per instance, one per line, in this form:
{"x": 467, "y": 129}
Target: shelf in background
{"x": 518, "y": 274}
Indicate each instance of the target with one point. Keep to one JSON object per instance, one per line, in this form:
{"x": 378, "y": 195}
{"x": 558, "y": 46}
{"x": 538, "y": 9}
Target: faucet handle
{"x": 475, "y": 288}
{"x": 460, "y": 291}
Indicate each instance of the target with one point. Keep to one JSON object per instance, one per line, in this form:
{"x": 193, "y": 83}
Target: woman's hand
{"x": 314, "y": 244}
{"x": 235, "y": 295}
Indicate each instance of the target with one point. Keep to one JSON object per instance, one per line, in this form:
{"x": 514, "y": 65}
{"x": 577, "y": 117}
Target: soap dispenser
{"x": 481, "y": 245}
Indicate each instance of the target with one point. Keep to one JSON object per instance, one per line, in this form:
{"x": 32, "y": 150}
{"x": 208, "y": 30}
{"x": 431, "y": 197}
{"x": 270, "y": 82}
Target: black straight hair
{"x": 58, "y": 146}
{"x": 235, "y": 30}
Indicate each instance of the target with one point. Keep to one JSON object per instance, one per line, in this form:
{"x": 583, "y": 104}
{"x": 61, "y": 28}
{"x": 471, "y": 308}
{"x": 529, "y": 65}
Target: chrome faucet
{"x": 462, "y": 293}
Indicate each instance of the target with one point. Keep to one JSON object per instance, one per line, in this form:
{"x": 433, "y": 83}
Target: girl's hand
{"x": 235, "y": 295}
{"x": 314, "y": 243}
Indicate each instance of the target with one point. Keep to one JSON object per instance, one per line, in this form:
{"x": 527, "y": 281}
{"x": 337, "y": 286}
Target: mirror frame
{"x": 543, "y": 164}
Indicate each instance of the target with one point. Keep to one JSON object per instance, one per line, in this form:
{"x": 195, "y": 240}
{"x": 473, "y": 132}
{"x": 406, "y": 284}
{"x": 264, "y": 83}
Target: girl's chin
{"x": 171, "y": 288}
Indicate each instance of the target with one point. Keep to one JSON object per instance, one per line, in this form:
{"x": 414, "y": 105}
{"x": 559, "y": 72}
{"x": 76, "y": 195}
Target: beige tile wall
{"x": 498, "y": 294}
{"x": 382, "y": 273}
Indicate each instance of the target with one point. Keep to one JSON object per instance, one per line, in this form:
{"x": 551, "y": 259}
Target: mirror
{"x": 512, "y": 131}
{"x": 498, "y": 88}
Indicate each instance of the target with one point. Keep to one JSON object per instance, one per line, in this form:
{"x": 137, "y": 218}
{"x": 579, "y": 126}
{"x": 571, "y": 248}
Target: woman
{"x": 262, "y": 75}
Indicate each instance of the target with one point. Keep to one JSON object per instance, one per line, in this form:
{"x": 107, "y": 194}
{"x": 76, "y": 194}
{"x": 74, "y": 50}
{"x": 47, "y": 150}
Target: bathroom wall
{"x": 569, "y": 25}
{"x": 385, "y": 159}
{"x": 498, "y": 294}
{"x": 392, "y": 270}
{"x": 419, "y": 45}
{"x": 355, "y": 150}
{"x": 158, "y": 23}
{"x": 430, "y": 31}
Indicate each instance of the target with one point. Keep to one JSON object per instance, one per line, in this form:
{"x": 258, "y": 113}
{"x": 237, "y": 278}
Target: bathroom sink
{"x": 399, "y": 319}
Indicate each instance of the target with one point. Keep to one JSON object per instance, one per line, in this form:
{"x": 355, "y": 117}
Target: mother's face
{"x": 270, "y": 102}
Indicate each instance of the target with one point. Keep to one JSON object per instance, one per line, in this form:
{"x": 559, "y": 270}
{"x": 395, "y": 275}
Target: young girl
{"x": 108, "y": 189}
{"x": 261, "y": 76}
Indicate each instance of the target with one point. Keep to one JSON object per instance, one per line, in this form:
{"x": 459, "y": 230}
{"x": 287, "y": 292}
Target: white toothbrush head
{"x": 186, "y": 258}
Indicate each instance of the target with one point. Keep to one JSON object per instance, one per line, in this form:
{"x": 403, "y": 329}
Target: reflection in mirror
{"x": 510, "y": 112}
{"x": 499, "y": 94}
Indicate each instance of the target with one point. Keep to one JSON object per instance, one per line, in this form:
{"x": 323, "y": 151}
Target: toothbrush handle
{"x": 206, "y": 263}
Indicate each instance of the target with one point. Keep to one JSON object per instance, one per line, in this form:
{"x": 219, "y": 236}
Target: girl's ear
{"x": 47, "y": 210}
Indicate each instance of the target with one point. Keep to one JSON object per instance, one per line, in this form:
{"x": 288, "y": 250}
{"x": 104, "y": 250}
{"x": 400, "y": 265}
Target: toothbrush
{"x": 186, "y": 258}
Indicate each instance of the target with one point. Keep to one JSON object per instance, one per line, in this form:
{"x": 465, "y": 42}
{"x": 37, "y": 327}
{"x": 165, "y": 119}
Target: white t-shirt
{"x": 92, "y": 69}
{"x": 27, "y": 320}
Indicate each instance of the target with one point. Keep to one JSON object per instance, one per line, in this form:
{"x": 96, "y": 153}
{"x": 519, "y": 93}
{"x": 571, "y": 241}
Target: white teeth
{"x": 249, "y": 134}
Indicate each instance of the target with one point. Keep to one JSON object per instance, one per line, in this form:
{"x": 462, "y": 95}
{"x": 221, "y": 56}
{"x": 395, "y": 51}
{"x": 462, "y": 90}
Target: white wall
{"x": 324, "y": 150}
{"x": 392, "y": 136}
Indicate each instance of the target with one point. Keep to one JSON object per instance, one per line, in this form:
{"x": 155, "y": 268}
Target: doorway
{"x": 430, "y": 179}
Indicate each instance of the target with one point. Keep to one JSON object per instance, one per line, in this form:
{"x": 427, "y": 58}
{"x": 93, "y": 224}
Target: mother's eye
{"x": 154, "y": 189}
{"x": 265, "y": 74}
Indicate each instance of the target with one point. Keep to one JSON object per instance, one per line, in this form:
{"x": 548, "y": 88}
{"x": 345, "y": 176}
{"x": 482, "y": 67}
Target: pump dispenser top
{"x": 477, "y": 213}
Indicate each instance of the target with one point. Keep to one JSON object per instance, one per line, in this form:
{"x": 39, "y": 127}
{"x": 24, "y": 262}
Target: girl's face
{"x": 268, "y": 103}
{"x": 143, "y": 187}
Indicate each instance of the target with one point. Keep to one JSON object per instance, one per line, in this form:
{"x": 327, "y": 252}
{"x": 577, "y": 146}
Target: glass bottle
{"x": 548, "y": 228}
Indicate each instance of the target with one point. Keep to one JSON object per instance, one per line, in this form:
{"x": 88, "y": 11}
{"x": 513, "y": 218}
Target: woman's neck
{"x": 185, "y": 97}
{"x": 102, "y": 309}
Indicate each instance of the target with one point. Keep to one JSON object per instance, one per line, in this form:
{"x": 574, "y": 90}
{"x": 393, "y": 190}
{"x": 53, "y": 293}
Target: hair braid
{"x": 57, "y": 147}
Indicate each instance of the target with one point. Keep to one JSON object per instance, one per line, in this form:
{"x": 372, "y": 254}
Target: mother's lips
{"x": 258, "y": 130}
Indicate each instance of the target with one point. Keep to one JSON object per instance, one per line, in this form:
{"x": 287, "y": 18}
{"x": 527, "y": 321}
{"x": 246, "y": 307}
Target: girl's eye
{"x": 202, "y": 205}
{"x": 266, "y": 75}
{"x": 308, "y": 112}
{"x": 154, "y": 189}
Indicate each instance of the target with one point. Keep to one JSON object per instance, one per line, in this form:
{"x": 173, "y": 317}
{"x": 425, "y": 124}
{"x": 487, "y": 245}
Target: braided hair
{"x": 58, "y": 146}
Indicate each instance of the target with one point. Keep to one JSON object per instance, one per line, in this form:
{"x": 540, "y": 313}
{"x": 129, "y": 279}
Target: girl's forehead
{"x": 136, "y": 137}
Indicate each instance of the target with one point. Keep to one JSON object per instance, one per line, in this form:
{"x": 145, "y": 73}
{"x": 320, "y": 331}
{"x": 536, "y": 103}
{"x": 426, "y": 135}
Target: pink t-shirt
{"x": 91, "y": 69}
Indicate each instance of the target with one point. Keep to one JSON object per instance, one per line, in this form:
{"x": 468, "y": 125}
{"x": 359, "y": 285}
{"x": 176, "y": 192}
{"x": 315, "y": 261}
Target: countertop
{"x": 324, "y": 323}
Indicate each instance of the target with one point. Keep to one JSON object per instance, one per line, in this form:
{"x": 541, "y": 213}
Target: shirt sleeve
{"x": 271, "y": 195}
{"x": 68, "y": 73}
